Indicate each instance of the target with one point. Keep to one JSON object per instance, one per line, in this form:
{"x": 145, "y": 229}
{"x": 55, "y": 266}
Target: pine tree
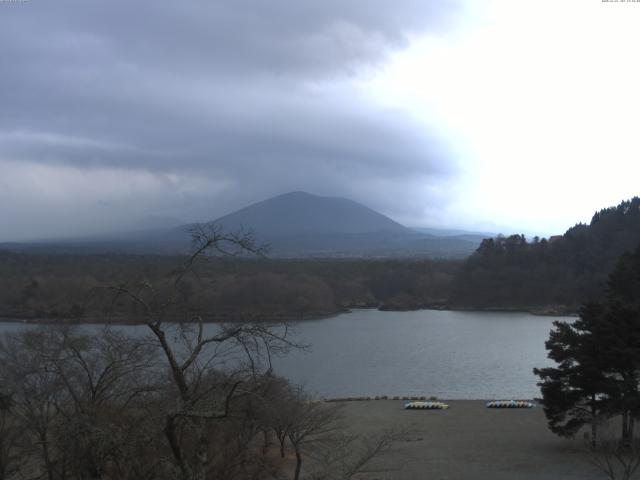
{"x": 575, "y": 392}
{"x": 598, "y": 357}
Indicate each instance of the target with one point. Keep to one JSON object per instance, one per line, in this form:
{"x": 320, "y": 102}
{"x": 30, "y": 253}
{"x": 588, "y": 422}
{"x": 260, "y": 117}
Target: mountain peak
{"x": 297, "y": 193}
{"x": 302, "y": 213}
{"x": 301, "y": 195}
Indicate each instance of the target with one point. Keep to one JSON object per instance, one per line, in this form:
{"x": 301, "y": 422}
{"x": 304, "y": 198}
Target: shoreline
{"x": 286, "y": 318}
{"x": 422, "y": 398}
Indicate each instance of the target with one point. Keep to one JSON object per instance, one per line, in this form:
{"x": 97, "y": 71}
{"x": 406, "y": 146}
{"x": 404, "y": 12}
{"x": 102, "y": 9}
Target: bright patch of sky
{"x": 541, "y": 100}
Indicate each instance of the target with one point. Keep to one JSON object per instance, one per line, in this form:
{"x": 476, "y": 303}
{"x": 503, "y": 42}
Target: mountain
{"x": 295, "y": 224}
{"x": 300, "y": 224}
{"x": 300, "y": 213}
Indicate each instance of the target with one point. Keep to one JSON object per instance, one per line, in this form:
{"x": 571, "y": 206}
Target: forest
{"x": 555, "y": 274}
{"x": 76, "y": 288}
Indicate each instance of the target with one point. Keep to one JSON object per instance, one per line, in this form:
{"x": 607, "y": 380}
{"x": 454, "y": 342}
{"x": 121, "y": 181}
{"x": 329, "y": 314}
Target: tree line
{"x": 72, "y": 287}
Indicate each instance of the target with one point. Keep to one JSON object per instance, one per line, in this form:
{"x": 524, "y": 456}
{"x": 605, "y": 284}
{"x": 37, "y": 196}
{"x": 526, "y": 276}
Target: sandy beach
{"x": 468, "y": 441}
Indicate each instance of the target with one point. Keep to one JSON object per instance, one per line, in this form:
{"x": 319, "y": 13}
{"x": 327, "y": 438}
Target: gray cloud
{"x": 201, "y": 107}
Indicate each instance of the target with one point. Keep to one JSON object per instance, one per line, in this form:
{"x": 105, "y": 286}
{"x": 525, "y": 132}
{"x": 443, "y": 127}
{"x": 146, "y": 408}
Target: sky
{"x": 503, "y": 116}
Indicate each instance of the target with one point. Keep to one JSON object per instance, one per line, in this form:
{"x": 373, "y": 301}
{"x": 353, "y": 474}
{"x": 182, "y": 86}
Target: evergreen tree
{"x": 574, "y": 393}
{"x": 598, "y": 357}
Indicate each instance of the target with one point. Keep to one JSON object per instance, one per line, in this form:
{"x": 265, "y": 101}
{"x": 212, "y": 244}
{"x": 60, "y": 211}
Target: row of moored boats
{"x": 492, "y": 404}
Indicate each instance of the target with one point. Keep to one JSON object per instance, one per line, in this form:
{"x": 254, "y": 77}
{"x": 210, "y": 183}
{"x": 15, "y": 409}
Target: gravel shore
{"x": 468, "y": 441}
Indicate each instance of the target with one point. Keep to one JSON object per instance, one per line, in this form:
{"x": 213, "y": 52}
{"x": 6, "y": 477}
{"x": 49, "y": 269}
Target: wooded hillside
{"x": 564, "y": 271}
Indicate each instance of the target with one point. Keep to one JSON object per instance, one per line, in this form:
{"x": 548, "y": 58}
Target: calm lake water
{"x": 453, "y": 355}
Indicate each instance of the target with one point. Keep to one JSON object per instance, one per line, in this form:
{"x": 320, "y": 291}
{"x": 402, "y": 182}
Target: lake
{"x": 448, "y": 354}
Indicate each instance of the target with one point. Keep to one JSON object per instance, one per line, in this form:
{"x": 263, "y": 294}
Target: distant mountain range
{"x": 295, "y": 224}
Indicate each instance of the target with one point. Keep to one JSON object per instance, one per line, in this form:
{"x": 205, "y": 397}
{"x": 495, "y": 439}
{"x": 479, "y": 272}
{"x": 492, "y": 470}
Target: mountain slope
{"x": 300, "y": 213}
{"x": 300, "y": 224}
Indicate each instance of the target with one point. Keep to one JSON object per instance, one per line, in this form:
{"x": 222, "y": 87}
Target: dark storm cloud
{"x": 240, "y": 36}
{"x": 254, "y": 97}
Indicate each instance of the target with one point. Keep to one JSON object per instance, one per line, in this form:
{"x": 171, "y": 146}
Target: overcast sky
{"x": 511, "y": 116}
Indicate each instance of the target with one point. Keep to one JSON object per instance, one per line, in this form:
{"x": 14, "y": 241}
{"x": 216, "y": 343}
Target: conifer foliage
{"x": 598, "y": 357}
{"x": 560, "y": 271}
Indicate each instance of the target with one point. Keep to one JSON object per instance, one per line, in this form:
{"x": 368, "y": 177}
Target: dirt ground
{"x": 468, "y": 441}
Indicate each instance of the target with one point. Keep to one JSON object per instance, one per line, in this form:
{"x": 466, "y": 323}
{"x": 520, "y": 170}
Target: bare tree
{"x": 310, "y": 421}
{"x": 209, "y": 367}
{"x": 104, "y": 376}
{"x": 278, "y": 400}
{"x": 73, "y": 393}
{"x": 617, "y": 459}
{"x": 37, "y": 392}
{"x": 345, "y": 455}
{"x": 11, "y": 457}
{"x": 315, "y": 429}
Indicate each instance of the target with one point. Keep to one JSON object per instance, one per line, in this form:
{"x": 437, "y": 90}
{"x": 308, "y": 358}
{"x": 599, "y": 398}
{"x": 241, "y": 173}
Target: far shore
{"x": 549, "y": 311}
{"x": 466, "y": 442}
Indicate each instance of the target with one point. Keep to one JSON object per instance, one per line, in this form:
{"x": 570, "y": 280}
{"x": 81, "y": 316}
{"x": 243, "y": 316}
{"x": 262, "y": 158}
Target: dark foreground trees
{"x": 100, "y": 405}
{"x": 598, "y": 356}
{"x": 176, "y": 400}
